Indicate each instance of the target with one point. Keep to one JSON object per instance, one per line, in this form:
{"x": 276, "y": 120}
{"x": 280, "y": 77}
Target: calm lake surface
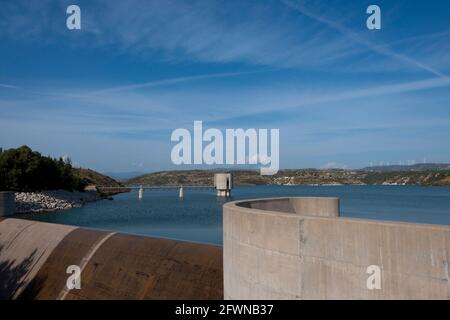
{"x": 198, "y": 217}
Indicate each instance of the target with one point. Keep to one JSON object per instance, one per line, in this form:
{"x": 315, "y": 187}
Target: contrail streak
{"x": 355, "y": 37}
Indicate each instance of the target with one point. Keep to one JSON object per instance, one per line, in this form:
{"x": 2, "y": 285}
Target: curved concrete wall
{"x": 34, "y": 257}
{"x": 305, "y": 206}
{"x": 278, "y": 249}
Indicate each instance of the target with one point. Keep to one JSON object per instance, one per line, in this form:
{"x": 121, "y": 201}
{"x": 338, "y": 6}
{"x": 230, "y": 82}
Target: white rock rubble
{"x": 52, "y": 200}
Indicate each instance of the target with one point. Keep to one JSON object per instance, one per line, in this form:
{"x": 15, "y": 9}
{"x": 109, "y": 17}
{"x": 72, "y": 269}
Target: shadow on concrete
{"x": 31, "y": 292}
{"x": 12, "y": 274}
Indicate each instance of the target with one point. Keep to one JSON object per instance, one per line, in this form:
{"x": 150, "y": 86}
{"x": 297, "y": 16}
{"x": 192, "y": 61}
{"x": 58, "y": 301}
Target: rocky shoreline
{"x": 47, "y": 201}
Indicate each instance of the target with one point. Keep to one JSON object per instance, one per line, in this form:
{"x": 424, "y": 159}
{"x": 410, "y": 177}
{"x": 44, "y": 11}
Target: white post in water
{"x": 181, "y": 192}
{"x": 223, "y": 182}
{"x": 141, "y": 192}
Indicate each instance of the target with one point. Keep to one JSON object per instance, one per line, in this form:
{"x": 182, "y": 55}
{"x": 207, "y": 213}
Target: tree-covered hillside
{"x": 23, "y": 169}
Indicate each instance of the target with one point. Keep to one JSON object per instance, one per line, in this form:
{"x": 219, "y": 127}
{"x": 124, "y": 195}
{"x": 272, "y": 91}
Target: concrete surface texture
{"x": 34, "y": 258}
{"x": 281, "y": 249}
{"x": 7, "y": 204}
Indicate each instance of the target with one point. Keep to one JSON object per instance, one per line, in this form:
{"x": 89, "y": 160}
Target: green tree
{"x": 22, "y": 169}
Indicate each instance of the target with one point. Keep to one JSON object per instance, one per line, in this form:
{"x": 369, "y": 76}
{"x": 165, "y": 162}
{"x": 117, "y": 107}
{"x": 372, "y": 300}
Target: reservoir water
{"x": 198, "y": 217}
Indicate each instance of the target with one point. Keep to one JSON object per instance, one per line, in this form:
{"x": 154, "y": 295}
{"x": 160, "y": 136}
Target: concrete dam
{"x": 34, "y": 258}
{"x": 300, "y": 248}
{"x": 283, "y": 248}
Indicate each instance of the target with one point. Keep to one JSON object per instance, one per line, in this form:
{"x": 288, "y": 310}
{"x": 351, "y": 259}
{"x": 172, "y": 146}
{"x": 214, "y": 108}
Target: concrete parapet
{"x": 7, "y": 205}
{"x": 305, "y": 206}
{"x": 295, "y": 248}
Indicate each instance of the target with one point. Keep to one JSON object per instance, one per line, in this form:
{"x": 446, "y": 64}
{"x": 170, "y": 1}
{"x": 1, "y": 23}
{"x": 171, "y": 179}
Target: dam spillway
{"x": 34, "y": 257}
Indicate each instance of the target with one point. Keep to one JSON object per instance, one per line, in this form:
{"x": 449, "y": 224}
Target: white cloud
{"x": 8, "y": 86}
{"x": 259, "y": 33}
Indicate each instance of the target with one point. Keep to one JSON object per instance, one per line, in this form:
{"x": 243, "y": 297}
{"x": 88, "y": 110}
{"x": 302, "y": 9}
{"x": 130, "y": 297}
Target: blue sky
{"x": 110, "y": 95}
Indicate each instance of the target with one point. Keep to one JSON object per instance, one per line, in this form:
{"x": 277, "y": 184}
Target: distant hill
{"x": 195, "y": 177}
{"x": 299, "y": 177}
{"x": 172, "y": 178}
{"x": 414, "y": 167}
{"x": 92, "y": 177}
{"x": 121, "y": 176}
